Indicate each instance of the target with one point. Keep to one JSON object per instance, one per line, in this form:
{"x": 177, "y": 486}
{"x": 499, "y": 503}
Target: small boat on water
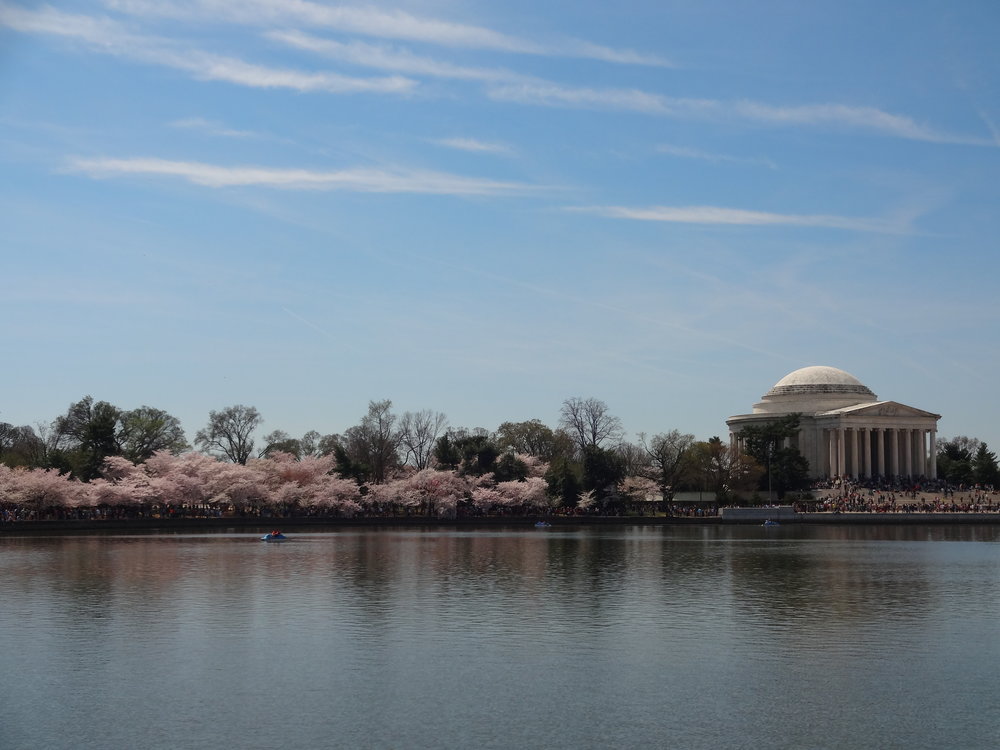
{"x": 542, "y": 524}
{"x": 769, "y": 522}
{"x": 273, "y": 536}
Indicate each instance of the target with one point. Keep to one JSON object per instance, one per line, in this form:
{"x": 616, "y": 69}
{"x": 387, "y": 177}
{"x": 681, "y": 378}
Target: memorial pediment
{"x": 883, "y": 409}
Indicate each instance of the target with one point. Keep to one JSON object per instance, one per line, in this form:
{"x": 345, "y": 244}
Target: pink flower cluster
{"x": 280, "y": 483}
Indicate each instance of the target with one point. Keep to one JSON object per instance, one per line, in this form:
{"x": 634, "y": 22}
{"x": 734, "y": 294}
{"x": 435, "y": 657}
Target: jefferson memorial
{"x": 845, "y": 431}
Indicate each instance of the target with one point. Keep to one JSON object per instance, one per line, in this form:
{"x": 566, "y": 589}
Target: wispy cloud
{"x": 867, "y": 118}
{"x": 48, "y": 20}
{"x": 718, "y": 215}
{"x": 233, "y": 70}
{"x": 212, "y": 128}
{"x": 109, "y": 37}
{"x": 683, "y": 152}
{"x": 360, "y": 179}
{"x": 553, "y": 95}
{"x": 812, "y": 115}
{"x": 471, "y": 144}
{"x": 385, "y": 57}
{"x": 377, "y": 22}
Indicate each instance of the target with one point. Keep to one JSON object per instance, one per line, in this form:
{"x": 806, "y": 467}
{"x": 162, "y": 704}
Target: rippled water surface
{"x": 692, "y": 637}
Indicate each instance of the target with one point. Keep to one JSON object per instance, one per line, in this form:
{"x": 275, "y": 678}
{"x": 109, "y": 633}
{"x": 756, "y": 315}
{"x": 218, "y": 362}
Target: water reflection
{"x": 711, "y": 636}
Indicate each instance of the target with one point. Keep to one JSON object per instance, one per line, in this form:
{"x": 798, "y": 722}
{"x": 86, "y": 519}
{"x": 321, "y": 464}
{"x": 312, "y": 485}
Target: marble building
{"x": 845, "y": 429}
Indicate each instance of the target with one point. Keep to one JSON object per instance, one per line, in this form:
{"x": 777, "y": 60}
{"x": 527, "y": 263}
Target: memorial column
{"x": 855, "y": 439}
{"x": 908, "y": 447}
{"x": 933, "y": 456}
{"x": 831, "y": 452}
{"x": 841, "y": 451}
{"x": 880, "y": 446}
{"x": 922, "y": 452}
{"x": 868, "y": 452}
{"x": 894, "y": 452}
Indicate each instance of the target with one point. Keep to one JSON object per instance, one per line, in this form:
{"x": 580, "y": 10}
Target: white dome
{"x": 819, "y": 379}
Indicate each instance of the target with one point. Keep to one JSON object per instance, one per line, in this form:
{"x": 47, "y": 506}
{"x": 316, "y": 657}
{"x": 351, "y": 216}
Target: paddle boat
{"x": 273, "y": 536}
{"x": 769, "y": 522}
{"x": 542, "y": 524}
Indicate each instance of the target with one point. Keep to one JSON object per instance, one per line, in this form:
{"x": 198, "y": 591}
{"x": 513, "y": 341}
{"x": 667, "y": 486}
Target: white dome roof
{"x": 819, "y": 379}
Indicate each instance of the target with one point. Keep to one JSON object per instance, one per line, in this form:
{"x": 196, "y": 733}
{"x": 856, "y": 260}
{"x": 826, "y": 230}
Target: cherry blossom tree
{"x": 243, "y": 487}
{"x": 282, "y": 467}
{"x": 336, "y": 494}
{"x": 439, "y": 492}
{"x": 485, "y": 499}
{"x": 640, "y": 488}
{"x": 530, "y": 494}
{"x": 40, "y": 490}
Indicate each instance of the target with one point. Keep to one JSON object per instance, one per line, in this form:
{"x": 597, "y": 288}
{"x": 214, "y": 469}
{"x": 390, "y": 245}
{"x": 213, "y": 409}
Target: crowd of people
{"x": 899, "y": 495}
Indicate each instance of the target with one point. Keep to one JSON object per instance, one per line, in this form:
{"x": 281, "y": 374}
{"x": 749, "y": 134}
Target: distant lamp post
{"x": 770, "y": 448}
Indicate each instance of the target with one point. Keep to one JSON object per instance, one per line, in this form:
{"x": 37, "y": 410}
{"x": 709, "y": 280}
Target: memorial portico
{"x": 844, "y": 430}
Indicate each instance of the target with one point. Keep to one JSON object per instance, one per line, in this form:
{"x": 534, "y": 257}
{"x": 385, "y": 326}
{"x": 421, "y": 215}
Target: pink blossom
{"x": 531, "y": 493}
{"x": 42, "y": 488}
{"x": 486, "y": 498}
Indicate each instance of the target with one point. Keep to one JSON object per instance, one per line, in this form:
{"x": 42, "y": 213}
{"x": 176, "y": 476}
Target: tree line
{"x": 585, "y": 460}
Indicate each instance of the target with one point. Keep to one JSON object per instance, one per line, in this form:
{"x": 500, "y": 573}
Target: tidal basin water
{"x": 689, "y": 637}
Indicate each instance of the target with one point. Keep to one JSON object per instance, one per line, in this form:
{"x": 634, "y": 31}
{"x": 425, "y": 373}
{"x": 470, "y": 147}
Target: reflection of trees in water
{"x": 826, "y": 584}
{"x": 789, "y": 576}
{"x": 514, "y": 576}
{"x": 909, "y": 532}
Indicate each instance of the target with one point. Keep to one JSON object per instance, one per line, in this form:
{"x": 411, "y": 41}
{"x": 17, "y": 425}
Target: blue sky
{"x": 484, "y": 208}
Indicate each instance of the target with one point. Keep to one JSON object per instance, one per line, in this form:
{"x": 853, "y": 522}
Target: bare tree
{"x": 589, "y": 423}
{"x": 668, "y": 456}
{"x": 635, "y": 459}
{"x": 20, "y": 446}
{"x": 714, "y": 467}
{"x": 309, "y": 444}
{"x": 420, "y": 432}
{"x": 230, "y": 432}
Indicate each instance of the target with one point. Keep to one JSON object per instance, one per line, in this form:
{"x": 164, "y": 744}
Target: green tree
{"x": 348, "y": 466}
{"x": 534, "y": 438}
{"x": 603, "y": 472}
{"x": 146, "y": 430}
{"x": 563, "y": 479}
{"x": 509, "y": 468}
{"x": 84, "y": 436}
{"x": 954, "y": 459}
{"x": 479, "y": 452}
{"x": 446, "y": 454}
{"x": 784, "y": 467}
{"x": 279, "y": 441}
{"x": 229, "y": 433}
{"x": 370, "y": 450}
{"x": 984, "y": 467}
